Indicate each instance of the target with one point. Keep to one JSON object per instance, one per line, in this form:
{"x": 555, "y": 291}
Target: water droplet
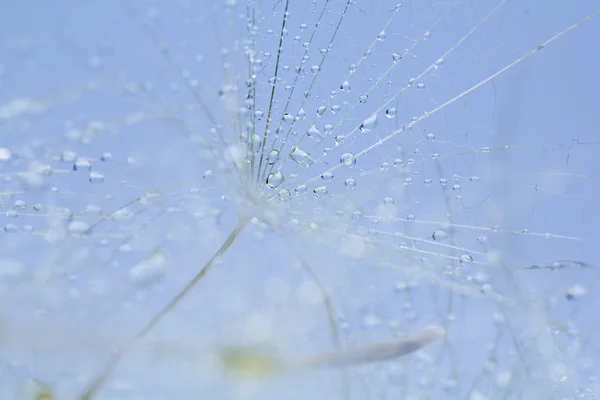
{"x": 96, "y": 177}
{"x": 272, "y": 157}
{"x": 396, "y": 57}
{"x": 369, "y": 123}
{"x": 284, "y": 195}
{"x": 78, "y": 227}
{"x": 320, "y": 191}
{"x": 300, "y": 156}
{"x": 348, "y": 159}
{"x": 335, "y": 109}
{"x": 274, "y": 179}
{"x": 315, "y": 69}
{"x": 439, "y": 235}
{"x": 5, "y": 154}
{"x": 314, "y": 133}
{"x": 391, "y": 112}
{"x": 328, "y": 128}
{"x": 288, "y": 118}
{"x": 321, "y": 110}
{"x": 300, "y": 189}
{"x": 575, "y": 292}
{"x": 258, "y": 115}
{"x": 363, "y": 98}
{"x": 465, "y": 259}
{"x": 68, "y": 156}
{"x": 82, "y": 164}
{"x": 149, "y": 270}
{"x": 345, "y": 86}
{"x": 327, "y": 176}
{"x": 382, "y": 36}
{"x": 388, "y": 201}
{"x": 350, "y": 183}
{"x": 11, "y": 228}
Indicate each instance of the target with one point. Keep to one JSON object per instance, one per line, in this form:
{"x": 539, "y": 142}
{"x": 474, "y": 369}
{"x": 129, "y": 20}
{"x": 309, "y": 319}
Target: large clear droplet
{"x": 274, "y": 179}
{"x": 348, "y": 159}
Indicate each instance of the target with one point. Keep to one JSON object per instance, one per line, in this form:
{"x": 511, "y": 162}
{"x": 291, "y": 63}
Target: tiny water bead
{"x": 363, "y": 98}
{"x": 350, "y": 183}
{"x": 391, "y": 112}
{"x": 82, "y": 164}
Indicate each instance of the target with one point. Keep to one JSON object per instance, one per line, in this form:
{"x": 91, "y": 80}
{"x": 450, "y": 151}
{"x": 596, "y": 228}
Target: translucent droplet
{"x": 382, "y": 36}
{"x": 391, "y": 112}
{"x": 465, "y": 259}
{"x": 68, "y": 156}
{"x": 300, "y": 156}
{"x": 575, "y": 292}
{"x": 96, "y": 177}
{"x": 288, "y": 118}
{"x": 396, "y": 57}
{"x": 439, "y": 236}
{"x": 82, "y": 164}
{"x": 369, "y": 123}
{"x": 284, "y": 194}
{"x": 335, "y": 109}
{"x": 11, "y": 228}
{"x": 272, "y": 157}
{"x": 274, "y": 179}
{"x": 5, "y": 154}
{"x": 149, "y": 270}
{"x": 314, "y": 133}
{"x": 256, "y": 141}
{"x": 106, "y": 156}
{"x": 350, "y": 183}
{"x": 327, "y": 176}
{"x": 78, "y": 227}
{"x": 348, "y": 159}
{"x": 328, "y": 128}
{"x": 339, "y": 139}
{"x": 300, "y": 189}
{"x": 315, "y": 68}
{"x": 258, "y": 115}
{"x": 320, "y": 190}
{"x": 363, "y": 98}
{"x": 321, "y": 110}
{"x": 345, "y": 86}
{"x": 388, "y": 201}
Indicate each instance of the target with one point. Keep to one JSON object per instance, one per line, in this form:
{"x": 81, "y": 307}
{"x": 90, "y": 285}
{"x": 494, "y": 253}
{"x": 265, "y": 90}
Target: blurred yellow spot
{"x": 250, "y": 364}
